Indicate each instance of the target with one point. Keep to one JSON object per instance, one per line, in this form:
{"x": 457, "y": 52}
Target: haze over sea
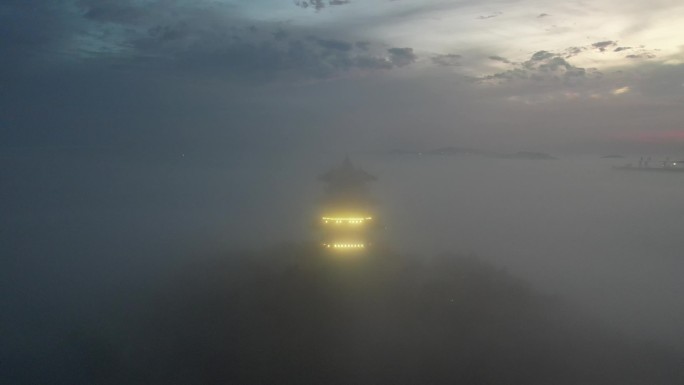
{"x": 608, "y": 240}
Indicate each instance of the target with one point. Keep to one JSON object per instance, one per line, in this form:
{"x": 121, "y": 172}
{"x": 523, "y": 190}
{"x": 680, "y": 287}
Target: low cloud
{"x": 362, "y": 45}
{"x": 539, "y": 56}
{"x": 542, "y": 67}
{"x": 490, "y": 16}
{"x": 320, "y": 4}
{"x": 205, "y": 39}
{"x": 604, "y": 45}
{"x": 500, "y": 59}
{"x": 401, "y": 56}
{"x": 448, "y": 60}
{"x": 643, "y": 55}
{"x": 573, "y": 51}
{"x": 332, "y": 44}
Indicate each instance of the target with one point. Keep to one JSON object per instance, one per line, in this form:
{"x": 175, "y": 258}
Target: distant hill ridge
{"x": 460, "y": 151}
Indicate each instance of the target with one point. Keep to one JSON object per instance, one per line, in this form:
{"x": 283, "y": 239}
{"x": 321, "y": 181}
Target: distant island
{"x": 458, "y": 151}
{"x": 529, "y": 155}
{"x": 402, "y": 152}
{"x": 467, "y": 151}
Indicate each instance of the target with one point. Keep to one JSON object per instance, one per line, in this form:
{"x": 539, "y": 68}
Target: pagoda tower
{"x": 346, "y": 220}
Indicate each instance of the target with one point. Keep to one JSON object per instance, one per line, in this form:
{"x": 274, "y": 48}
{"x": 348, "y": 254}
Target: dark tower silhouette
{"x": 346, "y": 216}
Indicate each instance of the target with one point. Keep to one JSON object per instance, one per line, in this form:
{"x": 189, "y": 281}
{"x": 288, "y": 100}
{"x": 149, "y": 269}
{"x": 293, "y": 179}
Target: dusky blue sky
{"x": 343, "y": 75}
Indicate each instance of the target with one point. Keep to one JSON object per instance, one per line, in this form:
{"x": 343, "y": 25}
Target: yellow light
{"x": 348, "y": 245}
{"x": 346, "y": 219}
{"x": 344, "y": 246}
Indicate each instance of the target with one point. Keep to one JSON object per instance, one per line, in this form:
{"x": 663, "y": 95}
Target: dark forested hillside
{"x": 293, "y": 316}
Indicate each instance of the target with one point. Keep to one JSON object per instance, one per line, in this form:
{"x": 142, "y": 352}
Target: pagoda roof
{"x": 347, "y": 174}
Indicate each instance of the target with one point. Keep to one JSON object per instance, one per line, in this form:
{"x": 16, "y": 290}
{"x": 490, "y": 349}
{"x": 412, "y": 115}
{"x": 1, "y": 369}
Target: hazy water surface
{"x": 611, "y": 240}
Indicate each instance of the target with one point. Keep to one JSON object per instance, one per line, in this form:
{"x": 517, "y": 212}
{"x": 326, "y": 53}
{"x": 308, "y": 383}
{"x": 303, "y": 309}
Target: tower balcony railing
{"x": 349, "y": 220}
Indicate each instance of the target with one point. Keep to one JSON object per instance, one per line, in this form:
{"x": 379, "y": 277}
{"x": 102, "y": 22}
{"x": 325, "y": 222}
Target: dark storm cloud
{"x": 320, "y": 4}
{"x": 362, "y": 45}
{"x": 603, "y": 45}
{"x": 401, "y": 56}
{"x": 121, "y": 94}
{"x": 638, "y": 52}
{"x": 499, "y": 58}
{"x": 335, "y": 44}
{"x": 268, "y": 59}
{"x": 539, "y": 56}
{"x": 316, "y": 4}
{"x": 543, "y": 66}
{"x": 573, "y": 51}
{"x": 510, "y": 75}
{"x": 555, "y": 63}
{"x": 119, "y": 11}
{"x": 490, "y": 16}
{"x": 207, "y": 38}
{"x": 644, "y": 55}
{"x": 448, "y": 60}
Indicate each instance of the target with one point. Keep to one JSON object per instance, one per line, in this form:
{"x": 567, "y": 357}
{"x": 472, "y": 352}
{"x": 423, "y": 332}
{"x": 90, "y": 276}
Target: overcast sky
{"x": 343, "y": 75}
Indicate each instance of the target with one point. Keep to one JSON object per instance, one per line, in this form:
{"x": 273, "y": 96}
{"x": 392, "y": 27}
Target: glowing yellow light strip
{"x": 347, "y": 218}
{"x": 352, "y": 220}
{"x": 345, "y": 245}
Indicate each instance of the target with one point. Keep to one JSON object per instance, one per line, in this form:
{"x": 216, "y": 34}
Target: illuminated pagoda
{"x": 346, "y": 216}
